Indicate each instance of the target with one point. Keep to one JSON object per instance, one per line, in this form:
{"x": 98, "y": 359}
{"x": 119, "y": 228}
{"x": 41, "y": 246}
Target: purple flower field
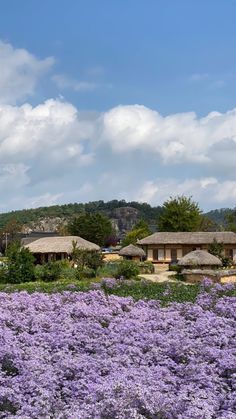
{"x": 87, "y": 355}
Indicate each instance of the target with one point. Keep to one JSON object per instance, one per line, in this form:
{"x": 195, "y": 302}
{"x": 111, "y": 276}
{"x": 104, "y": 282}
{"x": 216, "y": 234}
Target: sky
{"x": 128, "y": 99}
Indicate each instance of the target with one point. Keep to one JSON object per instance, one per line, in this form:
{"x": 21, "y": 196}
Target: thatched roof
{"x": 60, "y": 244}
{"x": 199, "y": 258}
{"x": 199, "y": 237}
{"x": 132, "y": 250}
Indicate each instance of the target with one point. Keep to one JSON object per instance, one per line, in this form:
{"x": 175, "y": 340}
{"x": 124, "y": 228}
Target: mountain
{"x": 123, "y": 215}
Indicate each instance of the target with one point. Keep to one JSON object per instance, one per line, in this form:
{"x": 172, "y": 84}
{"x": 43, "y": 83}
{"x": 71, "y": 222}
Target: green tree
{"x": 217, "y": 249}
{"x": 84, "y": 259}
{"x": 94, "y": 227}
{"x": 139, "y": 231}
{"x": 180, "y": 214}
{"x": 20, "y": 264}
{"x": 230, "y": 221}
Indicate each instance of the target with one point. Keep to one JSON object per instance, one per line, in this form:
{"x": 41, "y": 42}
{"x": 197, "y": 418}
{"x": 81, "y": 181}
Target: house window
{"x": 158, "y": 254}
{"x": 174, "y": 255}
{"x": 229, "y": 253}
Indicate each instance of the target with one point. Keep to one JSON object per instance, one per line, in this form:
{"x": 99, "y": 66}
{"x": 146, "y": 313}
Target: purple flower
{"x": 89, "y": 355}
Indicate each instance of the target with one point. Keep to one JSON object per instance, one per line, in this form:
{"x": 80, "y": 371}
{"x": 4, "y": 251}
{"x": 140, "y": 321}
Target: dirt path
{"x": 160, "y": 276}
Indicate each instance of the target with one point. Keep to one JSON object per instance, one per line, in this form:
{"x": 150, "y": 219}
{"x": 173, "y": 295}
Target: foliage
{"x": 217, "y": 249}
{"x": 3, "y": 274}
{"x": 139, "y": 231}
{"x": 20, "y": 265}
{"x": 92, "y": 227}
{"x": 83, "y": 258}
{"x": 69, "y": 211}
{"x": 146, "y": 267}
{"x": 127, "y": 269}
{"x": 180, "y": 214}
{"x": 230, "y": 220}
{"x": 51, "y": 271}
{"x": 102, "y": 356}
{"x": 108, "y": 269}
{"x": 174, "y": 267}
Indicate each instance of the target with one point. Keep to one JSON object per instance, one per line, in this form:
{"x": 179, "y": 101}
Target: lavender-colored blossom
{"x": 89, "y": 355}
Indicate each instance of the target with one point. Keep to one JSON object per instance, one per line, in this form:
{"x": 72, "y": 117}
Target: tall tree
{"x": 230, "y": 221}
{"x": 139, "y": 231}
{"x": 180, "y": 214}
{"x": 94, "y": 227}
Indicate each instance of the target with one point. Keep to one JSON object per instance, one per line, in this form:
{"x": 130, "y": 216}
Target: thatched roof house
{"x": 199, "y": 258}
{"x": 57, "y": 248}
{"x": 171, "y": 246}
{"x": 192, "y": 237}
{"x": 132, "y": 252}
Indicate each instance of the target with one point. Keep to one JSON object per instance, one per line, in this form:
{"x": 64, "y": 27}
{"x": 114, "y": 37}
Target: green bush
{"x": 51, "y": 271}
{"x": 146, "y": 267}
{"x": 127, "y": 269}
{"x": 3, "y": 274}
{"x": 175, "y": 268}
{"x": 109, "y": 269}
{"x": 20, "y": 264}
{"x": 85, "y": 273}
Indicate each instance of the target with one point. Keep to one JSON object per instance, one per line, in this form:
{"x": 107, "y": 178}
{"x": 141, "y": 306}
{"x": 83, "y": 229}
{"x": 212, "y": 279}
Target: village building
{"x": 132, "y": 252}
{"x": 166, "y": 247}
{"x": 49, "y": 249}
{"x": 200, "y": 259}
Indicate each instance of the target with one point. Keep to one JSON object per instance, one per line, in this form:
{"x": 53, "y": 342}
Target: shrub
{"x": 84, "y": 273}
{"x": 173, "y": 267}
{"x": 108, "y": 269}
{"x": 51, "y": 271}
{"x": 3, "y": 274}
{"x": 128, "y": 269}
{"x": 146, "y": 267}
{"x": 20, "y": 265}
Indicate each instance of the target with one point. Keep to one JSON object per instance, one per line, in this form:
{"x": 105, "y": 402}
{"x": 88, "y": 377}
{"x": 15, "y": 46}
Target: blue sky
{"x": 117, "y": 99}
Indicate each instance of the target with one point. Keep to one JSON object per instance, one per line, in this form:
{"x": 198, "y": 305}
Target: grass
{"x": 166, "y": 292}
{"x": 49, "y": 287}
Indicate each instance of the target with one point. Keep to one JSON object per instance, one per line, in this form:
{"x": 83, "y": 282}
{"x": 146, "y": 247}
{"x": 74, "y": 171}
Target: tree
{"x": 20, "y": 264}
{"x": 230, "y": 221}
{"x": 10, "y": 232}
{"x": 84, "y": 258}
{"x": 139, "y": 231}
{"x": 93, "y": 227}
{"x": 217, "y": 249}
{"x": 180, "y": 214}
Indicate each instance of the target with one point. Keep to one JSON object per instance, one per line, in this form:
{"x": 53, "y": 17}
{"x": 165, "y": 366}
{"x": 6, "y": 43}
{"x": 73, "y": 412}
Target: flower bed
{"x": 89, "y": 355}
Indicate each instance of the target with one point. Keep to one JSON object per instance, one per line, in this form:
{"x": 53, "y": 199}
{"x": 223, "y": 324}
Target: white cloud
{"x": 20, "y": 72}
{"x": 64, "y": 82}
{"x": 207, "y": 191}
{"x": 175, "y": 138}
{"x": 51, "y": 129}
{"x": 46, "y": 199}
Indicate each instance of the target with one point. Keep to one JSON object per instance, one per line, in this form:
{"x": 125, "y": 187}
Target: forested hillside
{"x": 122, "y": 214}
{"x": 113, "y": 209}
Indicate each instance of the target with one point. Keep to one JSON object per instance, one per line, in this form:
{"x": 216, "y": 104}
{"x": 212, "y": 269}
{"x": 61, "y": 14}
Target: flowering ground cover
{"x": 91, "y": 355}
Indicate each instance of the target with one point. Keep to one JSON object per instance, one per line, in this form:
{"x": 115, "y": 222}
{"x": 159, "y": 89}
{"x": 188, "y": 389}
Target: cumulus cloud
{"x": 52, "y": 151}
{"x": 49, "y": 129}
{"x": 207, "y": 191}
{"x": 175, "y": 138}
{"x": 20, "y": 72}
